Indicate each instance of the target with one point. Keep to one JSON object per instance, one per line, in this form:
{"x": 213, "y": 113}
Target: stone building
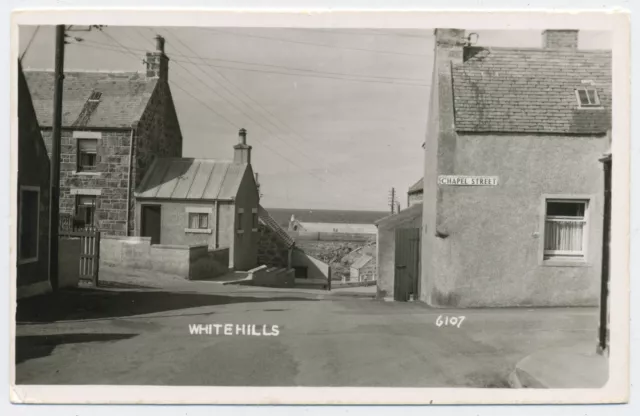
{"x": 33, "y": 199}
{"x": 513, "y": 187}
{"x": 114, "y": 125}
{"x": 187, "y": 201}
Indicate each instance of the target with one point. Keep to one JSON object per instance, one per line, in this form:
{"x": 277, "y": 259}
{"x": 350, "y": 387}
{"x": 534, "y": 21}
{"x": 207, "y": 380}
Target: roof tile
{"x": 530, "y": 91}
{"x": 122, "y": 102}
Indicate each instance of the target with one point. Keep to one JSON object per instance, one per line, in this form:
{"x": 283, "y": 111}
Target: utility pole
{"x": 54, "y": 177}
{"x": 392, "y": 200}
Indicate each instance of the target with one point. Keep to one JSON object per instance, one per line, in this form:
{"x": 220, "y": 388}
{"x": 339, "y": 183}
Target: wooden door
{"x": 151, "y": 217}
{"x": 407, "y": 264}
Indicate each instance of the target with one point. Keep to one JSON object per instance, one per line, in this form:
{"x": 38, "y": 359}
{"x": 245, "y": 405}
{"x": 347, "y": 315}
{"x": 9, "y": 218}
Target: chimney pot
{"x": 242, "y": 151}
{"x": 560, "y": 39}
{"x": 159, "y": 43}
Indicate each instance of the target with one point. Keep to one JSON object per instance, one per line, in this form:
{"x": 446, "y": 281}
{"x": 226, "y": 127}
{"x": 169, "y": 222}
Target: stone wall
{"x": 272, "y": 251}
{"x": 157, "y": 135}
{"x": 110, "y": 179}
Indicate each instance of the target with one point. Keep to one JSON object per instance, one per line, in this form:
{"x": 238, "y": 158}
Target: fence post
{"x": 96, "y": 258}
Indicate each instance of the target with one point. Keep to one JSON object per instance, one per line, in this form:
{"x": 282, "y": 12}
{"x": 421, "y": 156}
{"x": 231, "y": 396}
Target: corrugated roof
{"x": 530, "y": 90}
{"x": 417, "y": 187}
{"x": 283, "y": 215}
{"x": 361, "y": 262}
{"x": 268, "y": 221}
{"x": 189, "y": 178}
{"x": 122, "y": 99}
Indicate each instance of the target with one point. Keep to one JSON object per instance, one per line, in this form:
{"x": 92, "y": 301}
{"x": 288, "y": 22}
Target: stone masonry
{"x": 271, "y": 250}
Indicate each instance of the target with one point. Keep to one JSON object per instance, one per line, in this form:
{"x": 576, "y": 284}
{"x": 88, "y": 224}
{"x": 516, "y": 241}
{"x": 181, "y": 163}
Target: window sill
{"x": 240, "y": 231}
{"x": 595, "y": 107}
{"x": 83, "y": 173}
{"x": 255, "y": 230}
{"x": 198, "y": 230}
{"x": 564, "y": 262}
{"x": 27, "y": 261}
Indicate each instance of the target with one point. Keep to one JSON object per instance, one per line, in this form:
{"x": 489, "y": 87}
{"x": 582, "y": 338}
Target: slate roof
{"x": 390, "y": 221}
{"x": 192, "y": 179}
{"x": 283, "y": 215}
{"x": 123, "y": 97}
{"x": 417, "y": 187}
{"x": 265, "y": 218}
{"x": 530, "y": 90}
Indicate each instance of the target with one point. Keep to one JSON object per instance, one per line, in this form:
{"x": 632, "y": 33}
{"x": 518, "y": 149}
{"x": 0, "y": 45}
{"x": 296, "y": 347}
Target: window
{"x": 198, "y": 221}
{"x": 588, "y": 97}
{"x": 565, "y": 229}
{"x": 239, "y": 222}
{"x": 29, "y": 212}
{"x": 85, "y": 210}
{"x": 87, "y": 155}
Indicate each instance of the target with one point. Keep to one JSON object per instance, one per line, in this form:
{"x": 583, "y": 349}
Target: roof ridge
{"x": 525, "y": 49}
{"x": 87, "y": 71}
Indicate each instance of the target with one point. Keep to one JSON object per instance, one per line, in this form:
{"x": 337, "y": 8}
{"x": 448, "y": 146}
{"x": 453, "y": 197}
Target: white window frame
{"x": 596, "y": 105}
{"x": 199, "y": 210}
{"x": 30, "y": 259}
{"x": 556, "y": 258}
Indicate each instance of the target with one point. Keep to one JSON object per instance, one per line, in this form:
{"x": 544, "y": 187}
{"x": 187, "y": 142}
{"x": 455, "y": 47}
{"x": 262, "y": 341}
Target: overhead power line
{"x": 125, "y": 49}
{"x": 248, "y": 35}
{"x": 257, "y": 104}
{"x": 250, "y": 117}
{"x": 317, "y": 74}
{"x": 33, "y": 36}
{"x": 212, "y": 89}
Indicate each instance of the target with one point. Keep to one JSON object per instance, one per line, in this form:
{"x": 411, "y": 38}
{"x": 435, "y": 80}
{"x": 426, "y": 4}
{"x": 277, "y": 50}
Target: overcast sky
{"x": 335, "y": 117}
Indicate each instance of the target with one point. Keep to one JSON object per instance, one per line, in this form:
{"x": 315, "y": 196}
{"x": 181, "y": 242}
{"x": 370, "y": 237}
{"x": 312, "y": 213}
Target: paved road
{"x": 142, "y": 336}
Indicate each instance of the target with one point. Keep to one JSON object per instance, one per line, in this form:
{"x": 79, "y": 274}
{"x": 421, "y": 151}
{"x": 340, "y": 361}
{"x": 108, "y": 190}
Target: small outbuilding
{"x": 187, "y": 201}
{"x": 398, "y": 248}
{"x": 363, "y": 269}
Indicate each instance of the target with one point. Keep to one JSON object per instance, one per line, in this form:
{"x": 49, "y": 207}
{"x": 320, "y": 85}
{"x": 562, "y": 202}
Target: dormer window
{"x": 587, "y": 97}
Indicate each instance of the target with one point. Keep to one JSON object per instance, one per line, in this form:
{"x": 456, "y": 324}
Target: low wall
{"x": 273, "y": 277}
{"x": 206, "y": 263}
{"x": 190, "y": 262}
{"x": 320, "y": 236}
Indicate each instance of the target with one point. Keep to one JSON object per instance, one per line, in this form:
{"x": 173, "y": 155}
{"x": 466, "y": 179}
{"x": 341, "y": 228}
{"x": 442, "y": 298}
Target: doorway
{"x": 151, "y": 222}
{"x": 407, "y": 264}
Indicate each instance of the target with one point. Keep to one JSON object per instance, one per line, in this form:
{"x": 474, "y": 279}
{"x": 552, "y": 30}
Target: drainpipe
{"x": 133, "y": 128}
{"x": 216, "y": 210}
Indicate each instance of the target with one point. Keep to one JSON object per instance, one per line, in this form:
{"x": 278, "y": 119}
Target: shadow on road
{"x": 29, "y": 347}
{"x": 78, "y": 304}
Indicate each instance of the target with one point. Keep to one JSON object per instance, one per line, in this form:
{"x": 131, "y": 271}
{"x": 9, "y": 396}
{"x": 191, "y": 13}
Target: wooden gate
{"x": 89, "y": 259}
{"x": 407, "y": 264}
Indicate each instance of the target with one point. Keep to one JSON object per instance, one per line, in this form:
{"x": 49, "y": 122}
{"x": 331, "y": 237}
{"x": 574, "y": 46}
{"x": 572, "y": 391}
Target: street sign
{"x": 455, "y": 180}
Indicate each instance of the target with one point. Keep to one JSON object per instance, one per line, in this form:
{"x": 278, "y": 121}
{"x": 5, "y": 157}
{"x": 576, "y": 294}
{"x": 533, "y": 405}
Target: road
{"x": 142, "y": 337}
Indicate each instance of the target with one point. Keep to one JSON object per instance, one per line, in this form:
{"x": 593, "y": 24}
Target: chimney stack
{"x": 560, "y": 39}
{"x": 158, "y": 62}
{"x": 242, "y": 151}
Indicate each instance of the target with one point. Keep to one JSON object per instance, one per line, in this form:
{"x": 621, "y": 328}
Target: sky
{"x": 336, "y": 118}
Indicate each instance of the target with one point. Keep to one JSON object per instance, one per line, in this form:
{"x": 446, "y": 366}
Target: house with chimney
{"x": 32, "y": 245}
{"x": 114, "y": 124}
{"x": 513, "y": 186}
{"x": 189, "y": 201}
